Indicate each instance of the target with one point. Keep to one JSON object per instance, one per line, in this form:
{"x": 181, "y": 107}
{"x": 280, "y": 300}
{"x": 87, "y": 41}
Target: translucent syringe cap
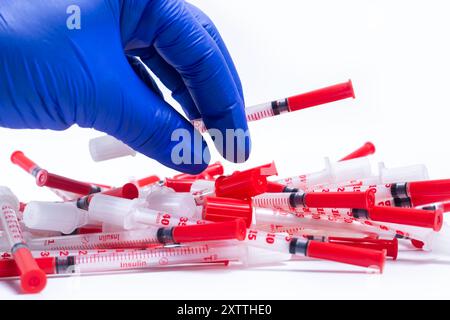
{"x": 228, "y": 230}
{"x": 223, "y": 209}
{"x": 358, "y": 168}
{"x": 391, "y": 246}
{"x": 366, "y": 150}
{"x": 112, "y": 210}
{"x": 401, "y": 174}
{"x": 348, "y": 200}
{"x": 432, "y": 219}
{"x": 19, "y": 158}
{"x": 32, "y": 278}
{"x": 429, "y": 188}
{"x": 180, "y": 204}
{"x": 64, "y": 217}
{"x": 321, "y": 96}
{"x": 107, "y": 147}
{"x": 363, "y": 257}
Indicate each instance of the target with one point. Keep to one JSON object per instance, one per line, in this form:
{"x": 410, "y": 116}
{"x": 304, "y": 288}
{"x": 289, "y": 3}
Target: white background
{"x": 397, "y": 54}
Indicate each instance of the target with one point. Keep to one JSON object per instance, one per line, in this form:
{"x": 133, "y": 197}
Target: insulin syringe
{"x": 144, "y": 238}
{"x": 135, "y": 260}
{"x": 32, "y": 278}
{"x": 107, "y": 147}
{"x": 299, "y": 102}
{"x": 358, "y": 256}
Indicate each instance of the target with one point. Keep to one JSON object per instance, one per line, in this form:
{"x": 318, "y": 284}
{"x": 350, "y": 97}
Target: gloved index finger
{"x": 186, "y": 45}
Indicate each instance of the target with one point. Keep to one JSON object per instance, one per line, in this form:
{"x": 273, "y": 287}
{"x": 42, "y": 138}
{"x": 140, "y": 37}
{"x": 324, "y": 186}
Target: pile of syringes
{"x": 344, "y": 213}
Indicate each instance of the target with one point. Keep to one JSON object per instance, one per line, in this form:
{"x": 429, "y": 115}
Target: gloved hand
{"x": 74, "y": 62}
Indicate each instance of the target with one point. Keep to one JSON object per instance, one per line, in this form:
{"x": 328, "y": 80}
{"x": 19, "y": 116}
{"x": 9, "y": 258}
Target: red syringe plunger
{"x": 352, "y": 200}
{"x": 432, "y": 219}
{"x": 429, "y": 188}
{"x": 321, "y": 96}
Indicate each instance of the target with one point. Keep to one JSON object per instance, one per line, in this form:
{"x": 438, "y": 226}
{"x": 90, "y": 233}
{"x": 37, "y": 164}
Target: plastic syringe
{"x": 385, "y": 175}
{"x": 358, "y": 256}
{"x": 302, "y": 101}
{"x": 432, "y": 189}
{"x": 143, "y": 238}
{"x": 99, "y": 208}
{"x": 136, "y": 260}
{"x": 66, "y": 188}
{"x": 333, "y": 173}
{"x": 337, "y": 221}
{"x": 67, "y": 253}
{"x": 295, "y": 201}
{"x": 107, "y": 147}
{"x": 32, "y": 278}
{"x": 290, "y": 201}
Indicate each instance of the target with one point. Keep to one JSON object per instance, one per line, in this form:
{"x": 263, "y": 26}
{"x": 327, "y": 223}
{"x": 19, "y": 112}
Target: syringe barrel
{"x": 51, "y": 180}
{"x": 278, "y": 242}
{"x": 159, "y": 257}
{"x": 274, "y": 200}
{"x": 32, "y": 278}
{"x": 9, "y": 205}
{"x": 140, "y": 238}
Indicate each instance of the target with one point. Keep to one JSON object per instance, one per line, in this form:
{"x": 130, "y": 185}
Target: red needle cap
{"x": 366, "y": 150}
{"x": 223, "y": 209}
{"x": 347, "y": 254}
{"x": 412, "y": 217}
{"x": 391, "y": 246}
{"x": 32, "y": 278}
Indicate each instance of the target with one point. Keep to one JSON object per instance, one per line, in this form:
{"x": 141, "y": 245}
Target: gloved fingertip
{"x": 188, "y": 152}
{"x": 231, "y": 135}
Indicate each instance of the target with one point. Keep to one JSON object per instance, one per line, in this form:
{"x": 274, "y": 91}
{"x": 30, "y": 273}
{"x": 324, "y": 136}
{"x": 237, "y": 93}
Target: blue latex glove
{"x": 57, "y": 70}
